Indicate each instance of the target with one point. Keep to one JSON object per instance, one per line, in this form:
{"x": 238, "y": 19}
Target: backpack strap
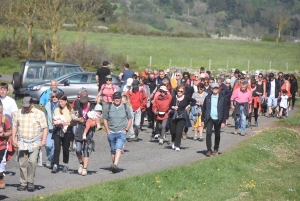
{"x": 109, "y": 107}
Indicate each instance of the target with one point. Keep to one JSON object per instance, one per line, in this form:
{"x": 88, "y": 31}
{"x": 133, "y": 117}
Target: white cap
{"x": 129, "y": 82}
{"x": 232, "y": 70}
{"x": 228, "y": 80}
{"x": 164, "y": 88}
{"x": 168, "y": 70}
{"x": 98, "y": 107}
{"x": 257, "y": 72}
{"x": 244, "y": 72}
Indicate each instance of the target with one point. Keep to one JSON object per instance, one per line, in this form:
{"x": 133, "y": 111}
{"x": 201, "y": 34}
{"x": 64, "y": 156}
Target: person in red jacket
{"x": 138, "y": 101}
{"x": 161, "y": 105}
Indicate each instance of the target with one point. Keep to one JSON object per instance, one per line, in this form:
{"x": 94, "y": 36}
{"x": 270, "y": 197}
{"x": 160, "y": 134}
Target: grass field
{"x": 263, "y": 167}
{"x": 182, "y": 50}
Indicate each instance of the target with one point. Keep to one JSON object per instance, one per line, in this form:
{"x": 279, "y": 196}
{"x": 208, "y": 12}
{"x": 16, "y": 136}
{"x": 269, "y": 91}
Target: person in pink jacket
{"x": 161, "y": 105}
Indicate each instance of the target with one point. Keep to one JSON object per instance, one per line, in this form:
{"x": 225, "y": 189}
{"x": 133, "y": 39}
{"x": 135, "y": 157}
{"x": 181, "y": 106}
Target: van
{"x": 36, "y": 71}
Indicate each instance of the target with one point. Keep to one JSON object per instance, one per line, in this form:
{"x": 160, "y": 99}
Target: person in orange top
{"x": 256, "y": 104}
{"x": 286, "y": 85}
{"x": 145, "y": 73}
{"x": 161, "y": 110}
{"x": 237, "y": 85}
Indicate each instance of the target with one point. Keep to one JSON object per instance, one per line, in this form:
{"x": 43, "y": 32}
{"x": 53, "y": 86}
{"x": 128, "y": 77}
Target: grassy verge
{"x": 263, "y": 167}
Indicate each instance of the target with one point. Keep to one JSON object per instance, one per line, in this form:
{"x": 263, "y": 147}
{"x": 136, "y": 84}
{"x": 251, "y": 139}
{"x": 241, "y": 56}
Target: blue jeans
{"x": 116, "y": 141}
{"x": 50, "y": 147}
{"x": 240, "y": 121}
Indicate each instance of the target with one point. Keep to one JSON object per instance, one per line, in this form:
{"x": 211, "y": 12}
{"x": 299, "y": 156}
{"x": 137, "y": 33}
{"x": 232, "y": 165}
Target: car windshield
{"x": 62, "y": 77}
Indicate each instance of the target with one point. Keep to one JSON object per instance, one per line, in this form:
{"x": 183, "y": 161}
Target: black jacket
{"x": 222, "y": 108}
{"x": 277, "y": 88}
{"x": 151, "y": 84}
{"x": 225, "y": 91}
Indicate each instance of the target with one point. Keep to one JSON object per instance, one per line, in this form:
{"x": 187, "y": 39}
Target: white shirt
{"x": 284, "y": 101}
{"x": 126, "y": 88}
{"x": 9, "y": 105}
{"x": 272, "y": 92}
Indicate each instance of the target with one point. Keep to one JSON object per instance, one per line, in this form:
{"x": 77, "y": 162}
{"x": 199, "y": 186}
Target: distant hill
{"x": 252, "y": 18}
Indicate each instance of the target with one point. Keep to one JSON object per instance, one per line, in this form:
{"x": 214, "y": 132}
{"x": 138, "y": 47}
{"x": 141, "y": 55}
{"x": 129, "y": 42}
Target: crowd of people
{"x": 171, "y": 102}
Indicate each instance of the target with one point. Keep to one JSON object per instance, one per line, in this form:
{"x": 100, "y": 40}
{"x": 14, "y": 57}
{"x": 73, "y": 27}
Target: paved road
{"x": 7, "y": 78}
{"x": 139, "y": 158}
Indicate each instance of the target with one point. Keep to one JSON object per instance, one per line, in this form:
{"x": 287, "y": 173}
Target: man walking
{"x": 102, "y": 73}
{"x": 272, "y": 89}
{"x": 125, "y": 74}
{"x": 31, "y": 125}
{"x": 117, "y": 120}
{"x": 241, "y": 101}
{"x": 138, "y": 101}
{"x": 214, "y": 115}
{"x": 46, "y": 94}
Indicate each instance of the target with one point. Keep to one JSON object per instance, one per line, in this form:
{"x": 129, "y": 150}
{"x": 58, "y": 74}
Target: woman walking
{"x": 178, "y": 105}
{"x": 106, "y": 92}
{"x": 294, "y": 89}
{"x": 50, "y": 106}
{"x": 62, "y": 133}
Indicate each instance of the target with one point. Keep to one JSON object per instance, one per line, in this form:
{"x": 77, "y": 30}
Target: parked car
{"x": 71, "y": 84}
{"x": 36, "y": 71}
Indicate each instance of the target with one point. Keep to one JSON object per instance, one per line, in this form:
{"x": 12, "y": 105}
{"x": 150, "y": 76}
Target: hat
{"x": 129, "y": 82}
{"x": 202, "y": 75}
{"x": 233, "y": 70}
{"x": 168, "y": 70}
{"x": 257, "y": 72}
{"x": 117, "y": 95}
{"x": 98, "y": 107}
{"x": 242, "y": 76}
{"x": 108, "y": 77}
{"x": 135, "y": 84}
{"x": 244, "y": 72}
{"x": 164, "y": 88}
{"x": 183, "y": 81}
{"x": 27, "y": 101}
{"x": 84, "y": 97}
{"x": 215, "y": 85}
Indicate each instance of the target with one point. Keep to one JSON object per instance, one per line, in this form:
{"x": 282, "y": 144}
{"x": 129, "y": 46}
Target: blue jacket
{"x": 46, "y": 96}
{"x": 206, "y": 108}
{"x": 49, "y": 115}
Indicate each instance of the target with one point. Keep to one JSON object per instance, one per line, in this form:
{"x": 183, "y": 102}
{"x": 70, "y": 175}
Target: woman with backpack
{"x": 106, "y": 92}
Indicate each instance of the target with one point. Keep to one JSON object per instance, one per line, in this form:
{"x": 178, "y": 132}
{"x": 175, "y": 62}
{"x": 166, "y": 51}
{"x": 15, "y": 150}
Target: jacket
{"x": 224, "y": 91}
{"x": 49, "y": 115}
{"x": 161, "y": 104}
{"x": 277, "y": 88}
{"x": 206, "y": 108}
{"x": 142, "y": 99}
{"x": 195, "y": 111}
{"x": 46, "y": 96}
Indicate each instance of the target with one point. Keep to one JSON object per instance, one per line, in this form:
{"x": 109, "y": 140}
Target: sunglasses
{"x": 228, "y": 83}
{"x": 196, "y": 76}
{"x": 181, "y": 91}
{"x": 177, "y": 75}
{"x": 161, "y": 91}
{"x": 109, "y": 79}
{"x": 205, "y": 82}
{"x": 54, "y": 97}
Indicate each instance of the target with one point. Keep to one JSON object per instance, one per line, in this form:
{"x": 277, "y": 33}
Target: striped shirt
{"x": 29, "y": 125}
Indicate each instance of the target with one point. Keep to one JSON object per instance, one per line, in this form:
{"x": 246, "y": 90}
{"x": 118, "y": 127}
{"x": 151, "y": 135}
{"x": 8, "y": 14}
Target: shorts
{"x": 272, "y": 101}
{"x": 198, "y": 122}
{"x": 116, "y": 141}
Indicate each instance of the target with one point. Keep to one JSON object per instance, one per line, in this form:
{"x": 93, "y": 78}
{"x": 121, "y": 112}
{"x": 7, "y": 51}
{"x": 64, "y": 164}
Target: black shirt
{"x": 102, "y": 73}
{"x": 182, "y": 104}
{"x": 151, "y": 84}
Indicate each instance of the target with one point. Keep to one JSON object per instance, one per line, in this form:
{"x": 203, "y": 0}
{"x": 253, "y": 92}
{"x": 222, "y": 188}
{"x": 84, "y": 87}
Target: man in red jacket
{"x": 138, "y": 102}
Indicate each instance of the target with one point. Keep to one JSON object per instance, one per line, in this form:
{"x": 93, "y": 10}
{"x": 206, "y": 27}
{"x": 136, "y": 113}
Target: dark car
{"x": 36, "y": 71}
{"x": 71, "y": 84}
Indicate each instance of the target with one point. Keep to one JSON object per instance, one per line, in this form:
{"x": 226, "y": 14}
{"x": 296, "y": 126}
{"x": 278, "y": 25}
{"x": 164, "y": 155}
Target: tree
{"x": 53, "y": 14}
{"x": 8, "y": 13}
{"x": 280, "y": 22}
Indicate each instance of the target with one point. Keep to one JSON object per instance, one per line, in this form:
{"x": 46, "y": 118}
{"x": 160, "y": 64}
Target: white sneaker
{"x": 156, "y": 136}
{"x": 173, "y": 146}
{"x": 177, "y": 149}
{"x": 145, "y": 119}
{"x": 84, "y": 172}
{"x": 80, "y": 167}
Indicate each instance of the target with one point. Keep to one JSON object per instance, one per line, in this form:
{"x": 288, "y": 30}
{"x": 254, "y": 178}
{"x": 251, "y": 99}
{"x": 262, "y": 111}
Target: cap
{"x": 257, "y": 72}
{"x": 129, "y": 82}
{"x": 183, "y": 81}
{"x": 242, "y": 76}
{"x": 135, "y": 84}
{"x": 84, "y": 97}
{"x": 98, "y": 107}
{"x": 233, "y": 70}
{"x": 164, "y": 88}
{"x": 108, "y": 76}
{"x": 244, "y": 72}
{"x": 117, "y": 95}
{"x": 215, "y": 85}
{"x": 27, "y": 101}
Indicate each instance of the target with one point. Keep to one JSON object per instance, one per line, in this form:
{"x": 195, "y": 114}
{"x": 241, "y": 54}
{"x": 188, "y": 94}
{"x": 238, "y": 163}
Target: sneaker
{"x": 256, "y": 124}
{"x": 173, "y": 146}
{"x": 242, "y": 134}
{"x": 156, "y": 136}
{"x": 80, "y": 167}
{"x": 48, "y": 163}
{"x": 54, "y": 169}
{"x": 208, "y": 154}
{"x": 145, "y": 119}
{"x": 114, "y": 168}
{"x": 130, "y": 140}
{"x": 177, "y": 149}
{"x": 21, "y": 188}
{"x": 201, "y": 139}
{"x": 195, "y": 138}
{"x": 135, "y": 138}
{"x": 215, "y": 153}
{"x": 84, "y": 172}
{"x": 249, "y": 125}
{"x": 30, "y": 187}
{"x": 184, "y": 136}
{"x": 66, "y": 168}
{"x": 235, "y": 131}
{"x": 161, "y": 141}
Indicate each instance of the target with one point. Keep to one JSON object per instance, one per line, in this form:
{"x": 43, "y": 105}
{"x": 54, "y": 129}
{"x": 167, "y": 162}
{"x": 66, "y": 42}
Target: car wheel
{"x": 16, "y": 80}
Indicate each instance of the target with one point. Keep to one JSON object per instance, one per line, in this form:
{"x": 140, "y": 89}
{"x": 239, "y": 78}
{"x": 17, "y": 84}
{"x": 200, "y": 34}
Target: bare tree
{"x": 8, "y": 13}
{"x": 280, "y": 22}
{"x": 53, "y": 14}
{"x": 199, "y": 8}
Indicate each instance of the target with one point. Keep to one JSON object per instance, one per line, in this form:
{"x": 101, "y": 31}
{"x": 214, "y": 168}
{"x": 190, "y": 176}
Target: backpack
{"x": 3, "y": 122}
{"x": 109, "y": 107}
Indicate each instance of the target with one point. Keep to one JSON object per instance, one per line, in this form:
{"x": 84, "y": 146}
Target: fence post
{"x": 248, "y": 65}
{"x": 227, "y": 66}
{"x": 150, "y": 60}
{"x": 287, "y": 67}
